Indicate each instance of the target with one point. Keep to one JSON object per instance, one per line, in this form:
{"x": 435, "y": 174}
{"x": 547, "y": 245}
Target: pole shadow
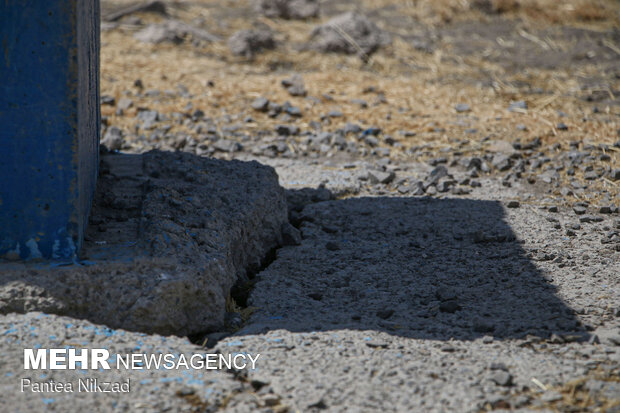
{"x": 414, "y": 267}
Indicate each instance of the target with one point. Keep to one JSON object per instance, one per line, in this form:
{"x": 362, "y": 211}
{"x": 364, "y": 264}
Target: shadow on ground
{"x": 414, "y": 267}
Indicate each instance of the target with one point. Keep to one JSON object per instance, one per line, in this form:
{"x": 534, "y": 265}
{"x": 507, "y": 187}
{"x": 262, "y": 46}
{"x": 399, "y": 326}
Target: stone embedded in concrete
{"x": 170, "y": 234}
{"x": 49, "y": 112}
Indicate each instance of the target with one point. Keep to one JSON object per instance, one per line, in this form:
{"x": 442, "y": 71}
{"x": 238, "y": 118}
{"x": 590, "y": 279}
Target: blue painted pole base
{"x": 49, "y": 125}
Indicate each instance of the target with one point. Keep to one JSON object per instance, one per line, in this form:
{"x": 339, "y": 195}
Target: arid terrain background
{"x": 443, "y": 233}
{"x": 560, "y": 58}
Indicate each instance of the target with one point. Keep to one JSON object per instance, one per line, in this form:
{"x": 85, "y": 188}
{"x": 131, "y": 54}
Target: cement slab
{"x": 170, "y": 234}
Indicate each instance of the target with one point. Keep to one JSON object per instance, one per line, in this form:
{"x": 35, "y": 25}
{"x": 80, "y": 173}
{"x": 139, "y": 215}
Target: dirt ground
{"x": 453, "y": 240}
{"x": 562, "y": 59}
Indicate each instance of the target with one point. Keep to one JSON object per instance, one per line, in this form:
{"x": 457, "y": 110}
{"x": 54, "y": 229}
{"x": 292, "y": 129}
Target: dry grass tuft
{"x": 505, "y": 6}
{"x": 420, "y": 88}
{"x": 589, "y": 10}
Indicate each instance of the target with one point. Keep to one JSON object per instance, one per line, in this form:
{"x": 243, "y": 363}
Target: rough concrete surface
{"x": 170, "y": 235}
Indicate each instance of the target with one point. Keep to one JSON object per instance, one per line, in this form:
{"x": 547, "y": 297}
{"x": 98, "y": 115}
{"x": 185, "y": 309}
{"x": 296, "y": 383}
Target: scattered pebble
{"x": 295, "y": 85}
{"x": 261, "y": 104}
{"x": 248, "y": 43}
{"x": 363, "y": 35}
{"x": 462, "y": 107}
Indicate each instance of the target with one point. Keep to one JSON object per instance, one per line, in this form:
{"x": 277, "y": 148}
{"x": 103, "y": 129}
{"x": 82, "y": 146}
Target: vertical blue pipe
{"x": 49, "y": 125}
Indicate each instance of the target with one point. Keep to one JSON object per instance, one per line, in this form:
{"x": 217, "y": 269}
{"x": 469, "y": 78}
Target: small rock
{"x": 407, "y": 133}
{"x": 517, "y": 106}
{"x": 287, "y": 130}
{"x": 250, "y": 42}
{"x": 361, "y": 102}
{"x": 288, "y": 9}
{"x": 437, "y": 161}
{"x": 501, "y": 378}
{"x": 381, "y": 177}
{"x": 107, "y": 100}
{"x": 295, "y": 85}
{"x": 501, "y": 146}
{"x": 561, "y": 126}
{"x": 417, "y": 188}
{"x": 258, "y": 384}
{"x": 404, "y": 189}
{"x": 501, "y": 162}
{"x": 460, "y": 190}
{"x": 148, "y": 118}
{"x": 513, "y": 204}
{"x": 362, "y": 35}
{"x": 226, "y": 145}
{"x": 590, "y": 218}
{"x": 274, "y": 109}
{"x": 436, "y": 174}
{"x": 371, "y": 140}
{"x": 579, "y": 210}
{"x": 124, "y": 103}
{"x": 260, "y": 104}
{"x": 462, "y": 107}
{"x": 591, "y": 175}
{"x": 290, "y": 235}
{"x": 498, "y": 366}
{"x": 377, "y": 344}
{"x": 321, "y": 405}
{"x": 444, "y": 186}
{"x": 352, "y": 128}
{"x": 113, "y": 139}
{"x": 270, "y": 400}
{"x": 293, "y": 111}
{"x": 373, "y": 131}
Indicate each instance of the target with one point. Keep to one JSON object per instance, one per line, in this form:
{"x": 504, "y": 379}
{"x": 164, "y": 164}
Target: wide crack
{"x": 237, "y": 309}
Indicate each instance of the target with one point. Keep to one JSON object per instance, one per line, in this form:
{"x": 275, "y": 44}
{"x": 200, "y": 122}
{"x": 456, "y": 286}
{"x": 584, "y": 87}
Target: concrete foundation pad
{"x": 170, "y": 234}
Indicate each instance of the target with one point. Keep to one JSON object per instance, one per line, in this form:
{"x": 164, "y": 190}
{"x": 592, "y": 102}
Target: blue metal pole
{"x": 49, "y": 125}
